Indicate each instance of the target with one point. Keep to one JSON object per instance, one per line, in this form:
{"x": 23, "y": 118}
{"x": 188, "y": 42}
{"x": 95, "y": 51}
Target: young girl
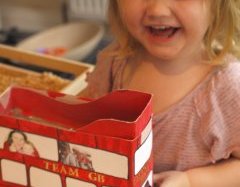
{"x": 185, "y": 53}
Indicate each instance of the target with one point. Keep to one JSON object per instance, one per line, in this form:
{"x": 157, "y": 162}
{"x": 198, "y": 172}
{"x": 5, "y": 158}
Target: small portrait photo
{"x": 66, "y": 156}
{"x": 73, "y": 157}
{"x": 17, "y": 141}
{"x": 83, "y": 159}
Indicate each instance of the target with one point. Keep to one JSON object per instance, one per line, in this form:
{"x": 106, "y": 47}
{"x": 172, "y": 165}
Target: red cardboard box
{"x": 50, "y": 139}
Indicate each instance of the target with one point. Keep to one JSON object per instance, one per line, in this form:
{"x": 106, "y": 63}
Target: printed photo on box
{"x": 17, "y": 141}
{"x": 72, "y": 156}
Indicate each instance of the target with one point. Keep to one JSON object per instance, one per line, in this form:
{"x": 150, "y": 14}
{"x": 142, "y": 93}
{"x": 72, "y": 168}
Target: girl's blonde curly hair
{"x": 221, "y": 38}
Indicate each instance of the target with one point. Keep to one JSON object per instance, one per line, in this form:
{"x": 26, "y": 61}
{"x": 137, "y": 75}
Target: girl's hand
{"x": 171, "y": 179}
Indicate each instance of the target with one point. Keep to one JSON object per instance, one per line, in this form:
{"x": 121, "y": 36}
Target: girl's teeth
{"x": 160, "y": 27}
{"x": 163, "y": 31}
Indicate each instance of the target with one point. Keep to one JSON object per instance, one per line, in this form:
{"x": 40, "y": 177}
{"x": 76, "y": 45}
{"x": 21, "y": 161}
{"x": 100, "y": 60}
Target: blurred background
{"x": 45, "y": 25}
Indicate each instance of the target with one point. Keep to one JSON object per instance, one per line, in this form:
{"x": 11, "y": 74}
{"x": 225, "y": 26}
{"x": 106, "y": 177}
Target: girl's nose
{"x": 158, "y": 8}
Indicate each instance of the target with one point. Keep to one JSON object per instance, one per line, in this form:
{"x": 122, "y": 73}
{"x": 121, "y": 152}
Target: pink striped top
{"x": 201, "y": 129}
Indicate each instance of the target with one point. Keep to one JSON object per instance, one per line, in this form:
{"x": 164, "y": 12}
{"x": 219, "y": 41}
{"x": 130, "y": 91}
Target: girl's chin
{"x": 166, "y": 53}
{"x": 164, "y": 56}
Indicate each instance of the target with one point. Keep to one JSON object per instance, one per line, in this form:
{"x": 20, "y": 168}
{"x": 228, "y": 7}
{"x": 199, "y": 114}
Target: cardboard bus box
{"x": 57, "y": 140}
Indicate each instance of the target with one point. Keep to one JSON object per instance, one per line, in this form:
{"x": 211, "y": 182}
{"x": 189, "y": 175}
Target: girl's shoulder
{"x": 108, "y": 51}
{"x": 107, "y": 59}
{"x": 226, "y": 79}
{"x": 218, "y": 107}
{"x": 219, "y": 97}
{"x": 223, "y": 84}
{"x": 102, "y": 79}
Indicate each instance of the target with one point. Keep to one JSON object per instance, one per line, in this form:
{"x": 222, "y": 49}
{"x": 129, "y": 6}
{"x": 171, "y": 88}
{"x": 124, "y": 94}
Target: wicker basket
{"x": 47, "y": 62}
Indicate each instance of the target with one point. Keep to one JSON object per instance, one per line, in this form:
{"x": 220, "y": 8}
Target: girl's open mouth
{"x": 163, "y": 31}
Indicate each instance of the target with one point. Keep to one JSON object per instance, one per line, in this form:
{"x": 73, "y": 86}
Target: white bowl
{"x": 79, "y": 39}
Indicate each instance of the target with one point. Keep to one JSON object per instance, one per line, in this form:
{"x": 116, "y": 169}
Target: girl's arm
{"x": 223, "y": 174}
